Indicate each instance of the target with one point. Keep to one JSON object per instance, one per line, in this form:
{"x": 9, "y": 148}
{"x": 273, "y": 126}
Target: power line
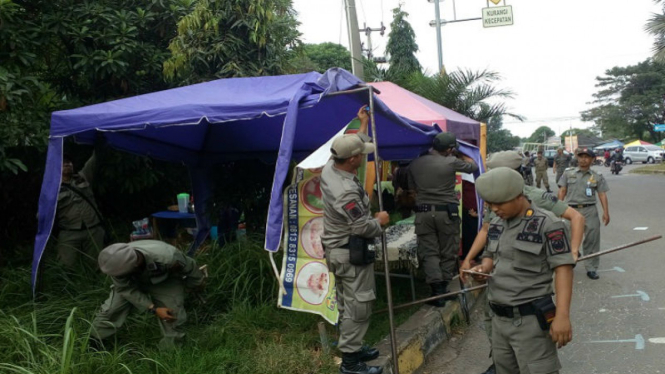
{"x": 551, "y": 119}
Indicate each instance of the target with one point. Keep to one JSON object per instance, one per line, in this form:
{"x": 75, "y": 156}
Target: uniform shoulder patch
{"x": 494, "y": 232}
{"x": 557, "y": 242}
{"x": 354, "y": 210}
{"x": 549, "y": 196}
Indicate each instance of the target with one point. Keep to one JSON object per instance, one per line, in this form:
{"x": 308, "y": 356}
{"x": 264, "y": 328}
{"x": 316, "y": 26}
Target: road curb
{"x": 421, "y": 334}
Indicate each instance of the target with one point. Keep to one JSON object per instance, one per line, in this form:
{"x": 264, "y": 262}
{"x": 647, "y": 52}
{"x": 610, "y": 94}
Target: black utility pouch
{"x": 359, "y": 253}
{"x": 453, "y": 211}
{"x": 545, "y": 311}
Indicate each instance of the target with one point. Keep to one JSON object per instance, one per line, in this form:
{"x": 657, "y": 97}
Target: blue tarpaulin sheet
{"x": 275, "y": 119}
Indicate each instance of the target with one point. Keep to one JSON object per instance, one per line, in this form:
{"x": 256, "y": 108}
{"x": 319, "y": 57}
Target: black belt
{"x": 508, "y": 311}
{"x": 431, "y": 208}
{"x": 580, "y": 206}
{"x": 83, "y": 228}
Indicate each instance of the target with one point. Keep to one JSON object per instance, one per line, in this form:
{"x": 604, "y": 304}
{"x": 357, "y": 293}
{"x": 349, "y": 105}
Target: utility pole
{"x": 354, "y": 39}
{"x": 368, "y": 32}
{"x": 437, "y": 19}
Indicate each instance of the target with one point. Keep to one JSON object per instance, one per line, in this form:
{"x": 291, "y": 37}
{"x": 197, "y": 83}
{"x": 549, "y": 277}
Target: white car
{"x": 643, "y": 153}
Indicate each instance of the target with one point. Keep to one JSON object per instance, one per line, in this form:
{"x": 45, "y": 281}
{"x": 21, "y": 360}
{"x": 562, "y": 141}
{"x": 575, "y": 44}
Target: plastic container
{"x": 183, "y": 201}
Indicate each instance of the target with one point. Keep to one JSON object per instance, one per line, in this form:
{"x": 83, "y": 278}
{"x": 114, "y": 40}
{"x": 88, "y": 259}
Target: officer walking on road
{"x": 541, "y": 171}
{"x": 526, "y": 247}
{"x": 437, "y": 221}
{"x": 151, "y": 276}
{"x": 538, "y": 198}
{"x": 347, "y": 225}
{"x": 579, "y": 188}
{"x": 561, "y": 163}
{"x": 78, "y": 218}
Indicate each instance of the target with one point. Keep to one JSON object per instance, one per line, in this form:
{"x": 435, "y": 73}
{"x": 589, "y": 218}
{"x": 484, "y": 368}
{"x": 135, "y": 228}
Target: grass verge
{"x": 239, "y": 329}
{"x": 650, "y": 169}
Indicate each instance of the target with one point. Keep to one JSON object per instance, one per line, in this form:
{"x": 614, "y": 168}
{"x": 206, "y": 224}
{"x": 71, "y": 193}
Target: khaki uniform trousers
{"x": 559, "y": 173}
{"x": 168, "y": 294}
{"x": 520, "y": 346}
{"x": 542, "y": 175}
{"x": 71, "y": 244}
{"x": 355, "y": 294}
{"x": 438, "y": 245}
{"x": 591, "y": 243}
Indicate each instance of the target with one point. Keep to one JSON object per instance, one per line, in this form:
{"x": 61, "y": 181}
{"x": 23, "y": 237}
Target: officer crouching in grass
{"x": 151, "y": 276}
{"x": 347, "y": 227}
{"x": 526, "y": 247}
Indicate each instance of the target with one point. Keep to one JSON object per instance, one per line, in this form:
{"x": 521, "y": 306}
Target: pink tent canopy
{"x": 417, "y": 108}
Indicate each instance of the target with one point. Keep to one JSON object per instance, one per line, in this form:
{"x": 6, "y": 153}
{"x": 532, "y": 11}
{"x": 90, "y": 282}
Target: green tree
{"x": 327, "y": 55}
{"x": 498, "y": 138}
{"x": 221, "y": 38}
{"x": 541, "y": 135}
{"x": 401, "y": 48}
{"x": 591, "y": 132}
{"x": 67, "y": 53}
{"x": 629, "y": 101}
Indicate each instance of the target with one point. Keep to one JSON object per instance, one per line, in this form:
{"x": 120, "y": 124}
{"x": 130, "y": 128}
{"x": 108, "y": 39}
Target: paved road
{"x": 633, "y": 326}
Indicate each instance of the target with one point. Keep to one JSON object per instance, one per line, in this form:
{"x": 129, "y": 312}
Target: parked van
{"x": 643, "y": 153}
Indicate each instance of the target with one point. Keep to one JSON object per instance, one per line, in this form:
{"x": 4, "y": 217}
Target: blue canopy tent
{"x": 271, "y": 118}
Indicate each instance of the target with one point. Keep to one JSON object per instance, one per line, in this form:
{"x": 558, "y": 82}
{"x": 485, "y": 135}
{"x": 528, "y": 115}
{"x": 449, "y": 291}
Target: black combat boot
{"x": 351, "y": 364}
{"x": 368, "y": 353}
{"x": 490, "y": 370}
{"x": 438, "y": 288}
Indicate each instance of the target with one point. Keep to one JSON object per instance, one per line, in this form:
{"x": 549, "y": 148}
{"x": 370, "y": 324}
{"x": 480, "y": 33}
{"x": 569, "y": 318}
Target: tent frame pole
{"x": 389, "y": 292}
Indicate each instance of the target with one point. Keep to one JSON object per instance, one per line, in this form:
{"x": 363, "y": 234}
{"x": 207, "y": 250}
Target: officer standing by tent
{"x": 561, "y": 163}
{"x": 579, "y": 188}
{"x": 78, "y": 218}
{"x": 437, "y": 221}
{"x": 151, "y": 276}
{"x": 347, "y": 227}
{"x": 526, "y": 247}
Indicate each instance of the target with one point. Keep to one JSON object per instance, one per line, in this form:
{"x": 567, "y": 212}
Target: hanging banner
{"x": 309, "y": 286}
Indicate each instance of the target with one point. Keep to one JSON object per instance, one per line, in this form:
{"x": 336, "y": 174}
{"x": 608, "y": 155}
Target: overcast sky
{"x": 550, "y": 57}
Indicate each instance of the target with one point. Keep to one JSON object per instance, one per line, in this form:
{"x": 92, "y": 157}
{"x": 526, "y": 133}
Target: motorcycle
{"x": 616, "y": 167}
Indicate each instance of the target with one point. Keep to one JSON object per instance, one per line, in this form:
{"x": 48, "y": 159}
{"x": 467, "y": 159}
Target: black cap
{"x": 586, "y": 151}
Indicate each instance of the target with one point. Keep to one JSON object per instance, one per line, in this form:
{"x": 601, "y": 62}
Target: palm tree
{"x": 656, "y": 27}
{"x": 473, "y": 94}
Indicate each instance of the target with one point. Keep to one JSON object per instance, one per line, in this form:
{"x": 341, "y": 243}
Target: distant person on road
{"x": 561, "y": 163}
{"x": 527, "y": 165}
{"x": 541, "y": 171}
{"x": 77, "y": 217}
{"x": 579, "y": 187}
{"x": 526, "y": 247}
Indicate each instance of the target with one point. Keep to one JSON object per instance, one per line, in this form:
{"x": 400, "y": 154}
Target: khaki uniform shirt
{"x": 541, "y": 164}
{"x": 538, "y": 198}
{"x": 525, "y": 252}
{"x": 432, "y": 176}
{"x": 561, "y": 161}
{"x": 345, "y": 208}
{"x": 162, "y": 261}
{"x": 577, "y": 181}
{"x": 73, "y": 212}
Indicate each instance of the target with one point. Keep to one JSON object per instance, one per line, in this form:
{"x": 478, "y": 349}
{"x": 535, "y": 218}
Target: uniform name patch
{"x": 557, "y": 242}
{"x": 531, "y": 231}
{"x": 353, "y": 210}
